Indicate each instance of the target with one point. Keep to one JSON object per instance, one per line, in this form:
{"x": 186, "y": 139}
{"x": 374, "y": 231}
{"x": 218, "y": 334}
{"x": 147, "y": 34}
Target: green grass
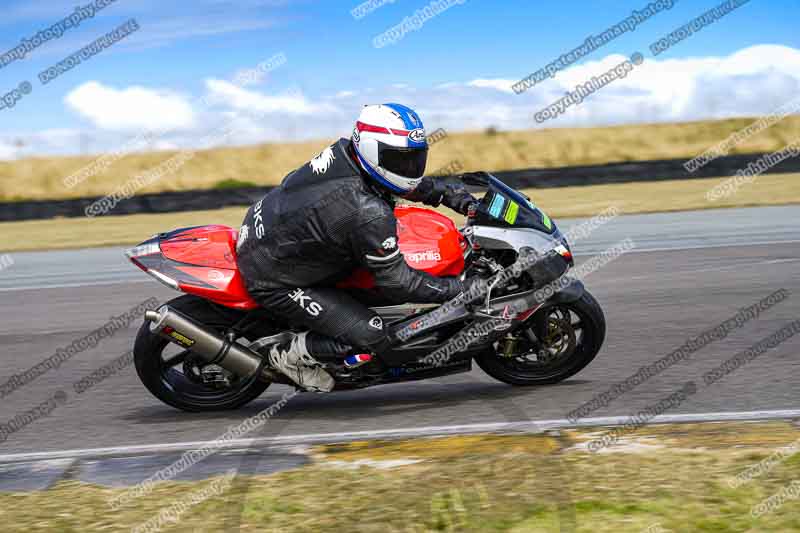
{"x": 775, "y": 189}
{"x": 474, "y": 483}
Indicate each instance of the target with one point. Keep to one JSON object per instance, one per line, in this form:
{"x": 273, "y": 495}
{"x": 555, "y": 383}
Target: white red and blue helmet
{"x": 390, "y": 145}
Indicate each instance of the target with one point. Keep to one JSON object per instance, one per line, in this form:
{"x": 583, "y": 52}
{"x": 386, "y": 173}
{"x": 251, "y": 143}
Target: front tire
{"x": 174, "y": 387}
{"x": 566, "y": 349}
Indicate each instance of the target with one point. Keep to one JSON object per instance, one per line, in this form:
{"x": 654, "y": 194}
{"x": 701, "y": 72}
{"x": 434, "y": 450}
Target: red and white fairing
{"x": 202, "y": 260}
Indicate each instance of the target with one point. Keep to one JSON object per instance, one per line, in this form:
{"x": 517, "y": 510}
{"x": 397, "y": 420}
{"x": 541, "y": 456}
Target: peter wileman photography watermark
{"x": 739, "y": 360}
{"x": 10, "y": 99}
{"x": 592, "y": 43}
{"x": 61, "y": 355}
{"x": 24, "y": 419}
{"x": 479, "y": 331}
{"x": 709, "y": 378}
{"x": 765, "y": 465}
{"x": 584, "y": 269}
{"x": 695, "y": 25}
{"x": 365, "y": 8}
{"x": 171, "y": 514}
{"x": 582, "y": 230}
{"x": 45, "y": 408}
{"x": 192, "y": 457}
{"x": 168, "y": 167}
{"x": 771, "y": 504}
{"x": 732, "y": 185}
{"x": 573, "y": 235}
{"x": 724, "y": 147}
{"x": 586, "y": 89}
{"x": 128, "y": 189}
{"x": 251, "y": 76}
{"x": 103, "y": 373}
{"x": 453, "y": 167}
{"x": 101, "y": 164}
{"x": 28, "y": 45}
{"x": 640, "y": 419}
{"x": 88, "y": 51}
{"x": 414, "y": 22}
{"x": 439, "y": 134}
{"x": 691, "y": 346}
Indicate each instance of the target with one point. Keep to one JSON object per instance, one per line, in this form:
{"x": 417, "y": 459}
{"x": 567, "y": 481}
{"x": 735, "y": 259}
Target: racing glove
{"x": 448, "y": 191}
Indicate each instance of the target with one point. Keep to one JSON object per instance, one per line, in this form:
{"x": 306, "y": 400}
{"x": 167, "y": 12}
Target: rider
{"x": 331, "y": 215}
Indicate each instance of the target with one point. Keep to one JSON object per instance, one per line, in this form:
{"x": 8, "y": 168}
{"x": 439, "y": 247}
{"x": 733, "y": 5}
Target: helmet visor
{"x": 406, "y": 162}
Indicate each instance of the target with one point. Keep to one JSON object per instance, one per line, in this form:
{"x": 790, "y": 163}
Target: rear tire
{"x": 172, "y": 387}
{"x": 509, "y": 370}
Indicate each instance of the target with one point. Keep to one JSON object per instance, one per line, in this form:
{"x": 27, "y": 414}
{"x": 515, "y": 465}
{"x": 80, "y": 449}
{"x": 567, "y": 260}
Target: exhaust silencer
{"x": 211, "y": 347}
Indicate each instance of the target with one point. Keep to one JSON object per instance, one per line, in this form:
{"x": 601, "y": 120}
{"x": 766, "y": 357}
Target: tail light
{"x": 147, "y": 256}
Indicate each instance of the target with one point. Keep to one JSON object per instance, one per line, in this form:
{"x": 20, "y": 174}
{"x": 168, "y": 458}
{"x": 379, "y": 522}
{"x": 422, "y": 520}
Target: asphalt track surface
{"x": 689, "y": 272}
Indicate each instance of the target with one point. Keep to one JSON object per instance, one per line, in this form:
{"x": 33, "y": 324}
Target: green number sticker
{"x": 546, "y": 220}
{"x": 511, "y": 212}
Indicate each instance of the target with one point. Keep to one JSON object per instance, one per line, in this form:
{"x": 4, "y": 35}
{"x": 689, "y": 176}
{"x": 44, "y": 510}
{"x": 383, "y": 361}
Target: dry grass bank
{"x": 41, "y": 178}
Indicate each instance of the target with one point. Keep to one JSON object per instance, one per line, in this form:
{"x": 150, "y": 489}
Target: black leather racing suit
{"x": 323, "y": 221}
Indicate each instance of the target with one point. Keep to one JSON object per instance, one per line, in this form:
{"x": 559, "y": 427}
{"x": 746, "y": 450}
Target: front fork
{"x": 537, "y": 322}
{"x": 571, "y": 293}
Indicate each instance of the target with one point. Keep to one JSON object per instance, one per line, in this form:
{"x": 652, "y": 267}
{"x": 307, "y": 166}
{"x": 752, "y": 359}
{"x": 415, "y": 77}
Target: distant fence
{"x": 163, "y": 202}
{"x": 656, "y": 170}
{"x": 170, "y": 202}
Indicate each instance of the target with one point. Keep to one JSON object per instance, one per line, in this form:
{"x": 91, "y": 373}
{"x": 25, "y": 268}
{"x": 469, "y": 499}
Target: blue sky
{"x": 332, "y": 66}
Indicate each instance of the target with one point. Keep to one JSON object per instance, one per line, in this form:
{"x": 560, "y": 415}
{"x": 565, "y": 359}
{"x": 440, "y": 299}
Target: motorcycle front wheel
{"x": 572, "y": 335}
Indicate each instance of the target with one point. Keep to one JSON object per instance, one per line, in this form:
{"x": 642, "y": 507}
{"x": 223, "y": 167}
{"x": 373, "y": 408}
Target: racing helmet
{"x": 390, "y": 146}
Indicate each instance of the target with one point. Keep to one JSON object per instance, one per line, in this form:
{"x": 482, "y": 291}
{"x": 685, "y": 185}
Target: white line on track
{"x": 74, "y": 285}
{"x": 723, "y": 268}
{"x": 646, "y": 249}
{"x": 430, "y": 431}
{"x": 578, "y": 253}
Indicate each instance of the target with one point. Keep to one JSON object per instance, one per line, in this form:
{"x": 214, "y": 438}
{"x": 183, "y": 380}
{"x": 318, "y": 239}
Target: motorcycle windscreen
{"x": 504, "y": 206}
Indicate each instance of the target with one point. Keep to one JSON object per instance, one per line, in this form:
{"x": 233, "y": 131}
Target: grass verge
{"x": 775, "y": 189}
{"x": 42, "y": 178}
{"x": 676, "y": 478}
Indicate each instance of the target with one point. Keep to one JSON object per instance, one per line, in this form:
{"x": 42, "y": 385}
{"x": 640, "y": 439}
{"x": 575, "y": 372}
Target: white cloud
{"x": 288, "y": 115}
{"x": 7, "y": 151}
{"x": 133, "y": 108}
{"x": 229, "y": 95}
{"x": 753, "y": 81}
{"x": 750, "y": 82}
{"x": 497, "y": 84}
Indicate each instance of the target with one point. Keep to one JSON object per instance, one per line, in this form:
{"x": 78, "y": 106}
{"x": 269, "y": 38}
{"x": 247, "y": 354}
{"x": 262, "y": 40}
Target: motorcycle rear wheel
{"x": 186, "y": 391}
{"x": 568, "y": 346}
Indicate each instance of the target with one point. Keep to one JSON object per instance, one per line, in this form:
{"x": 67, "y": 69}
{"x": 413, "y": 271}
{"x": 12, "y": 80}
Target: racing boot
{"x": 293, "y": 360}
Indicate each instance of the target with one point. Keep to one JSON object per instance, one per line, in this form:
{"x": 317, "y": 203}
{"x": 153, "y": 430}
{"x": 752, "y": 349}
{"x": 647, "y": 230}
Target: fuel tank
{"x": 428, "y": 240}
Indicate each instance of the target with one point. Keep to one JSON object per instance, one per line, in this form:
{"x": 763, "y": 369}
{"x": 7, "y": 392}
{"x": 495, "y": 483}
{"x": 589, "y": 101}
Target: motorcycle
{"x": 206, "y": 350}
